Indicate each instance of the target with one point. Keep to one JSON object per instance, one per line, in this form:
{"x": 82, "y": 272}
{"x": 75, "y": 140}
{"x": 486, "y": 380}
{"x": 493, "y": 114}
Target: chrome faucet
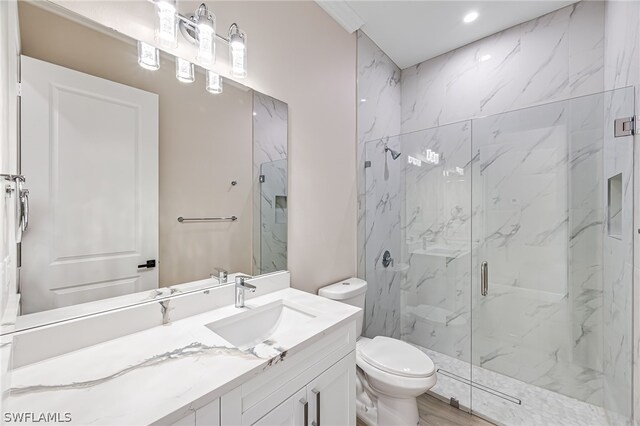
{"x": 222, "y": 275}
{"x": 241, "y": 286}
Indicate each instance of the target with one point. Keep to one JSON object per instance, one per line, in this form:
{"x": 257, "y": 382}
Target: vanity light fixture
{"x": 148, "y": 56}
{"x": 185, "y": 71}
{"x": 214, "y": 82}
{"x": 206, "y": 34}
{"x": 470, "y": 17}
{"x": 166, "y": 23}
{"x": 200, "y": 29}
{"x": 237, "y": 51}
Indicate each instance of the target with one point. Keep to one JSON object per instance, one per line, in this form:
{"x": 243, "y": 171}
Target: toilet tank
{"x": 351, "y": 291}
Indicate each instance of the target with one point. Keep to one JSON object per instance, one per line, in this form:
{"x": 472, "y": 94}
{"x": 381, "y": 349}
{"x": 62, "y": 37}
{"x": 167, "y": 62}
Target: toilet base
{"x": 397, "y": 411}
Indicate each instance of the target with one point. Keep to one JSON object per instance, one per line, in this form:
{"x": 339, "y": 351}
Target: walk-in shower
{"x": 542, "y": 198}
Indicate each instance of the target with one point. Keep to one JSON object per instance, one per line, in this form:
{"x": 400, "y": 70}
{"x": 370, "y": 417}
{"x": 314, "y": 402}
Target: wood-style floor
{"x": 434, "y": 412}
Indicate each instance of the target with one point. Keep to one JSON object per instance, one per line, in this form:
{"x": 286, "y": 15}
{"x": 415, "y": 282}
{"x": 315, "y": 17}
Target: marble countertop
{"x": 159, "y": 374}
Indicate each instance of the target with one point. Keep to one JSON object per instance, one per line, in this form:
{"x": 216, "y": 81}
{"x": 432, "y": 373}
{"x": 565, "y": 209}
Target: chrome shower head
{"x": 394, "y": 154}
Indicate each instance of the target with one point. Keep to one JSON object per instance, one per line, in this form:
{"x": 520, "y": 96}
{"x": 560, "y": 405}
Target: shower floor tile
{"x": 539, "y": 406}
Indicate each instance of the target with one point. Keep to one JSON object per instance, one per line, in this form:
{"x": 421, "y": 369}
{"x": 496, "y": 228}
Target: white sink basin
{"x": 258, "y": 325}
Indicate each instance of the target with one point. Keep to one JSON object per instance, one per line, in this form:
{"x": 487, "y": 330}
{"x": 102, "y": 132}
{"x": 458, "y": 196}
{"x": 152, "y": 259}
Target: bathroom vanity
{"x": 286, "y": 358}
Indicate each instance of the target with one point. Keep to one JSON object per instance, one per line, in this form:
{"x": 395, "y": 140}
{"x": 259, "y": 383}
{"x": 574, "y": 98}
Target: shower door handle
{"x": 484, "y": 278}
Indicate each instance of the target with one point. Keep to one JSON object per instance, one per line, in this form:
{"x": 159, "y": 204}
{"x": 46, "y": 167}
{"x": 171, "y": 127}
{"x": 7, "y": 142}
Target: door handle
{"x": 305, "y": 405}
{"x": 24, "y": 209}
{"x": 149, "y": 264}
{"x": 484, "y": 278}
{"x": 317, "y": 421}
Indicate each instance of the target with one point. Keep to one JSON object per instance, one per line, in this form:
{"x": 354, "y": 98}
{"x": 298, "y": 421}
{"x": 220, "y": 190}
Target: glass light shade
{"x": 238, "y": 54}
{"x": 148, "y": 56}
{"x": 166, "y": 23}
{"x": 185, "y": 71}
{"x": 206, "y": 28}
{"x": 214, "y": 82}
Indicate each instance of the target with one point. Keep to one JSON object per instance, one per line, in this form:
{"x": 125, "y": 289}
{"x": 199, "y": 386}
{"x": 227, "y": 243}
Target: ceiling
{"x": 413, "y": 31}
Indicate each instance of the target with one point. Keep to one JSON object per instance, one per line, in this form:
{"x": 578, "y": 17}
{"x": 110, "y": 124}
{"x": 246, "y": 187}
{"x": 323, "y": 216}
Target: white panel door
{"x": 90, "y": 156}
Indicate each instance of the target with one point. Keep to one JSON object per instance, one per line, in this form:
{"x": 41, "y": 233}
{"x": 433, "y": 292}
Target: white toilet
{"x": 393, "y": 372}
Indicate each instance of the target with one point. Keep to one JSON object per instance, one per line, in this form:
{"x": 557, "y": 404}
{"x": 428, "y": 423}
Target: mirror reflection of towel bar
{"x": 206, "y": 219}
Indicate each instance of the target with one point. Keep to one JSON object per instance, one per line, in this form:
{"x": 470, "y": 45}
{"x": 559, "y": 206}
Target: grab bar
{"x": 206, "y": 219}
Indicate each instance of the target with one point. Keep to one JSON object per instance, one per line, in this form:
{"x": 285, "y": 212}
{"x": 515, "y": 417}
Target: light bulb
{"x": 214, "y": 82}
{"x": 185, "y": 71}
{"x": 148, "y": 56}
{"x": 167, "y": 23}
{"x": 470, "y": 17}
{"x": 206, "y": 32}
{"x": 238, "y": 52}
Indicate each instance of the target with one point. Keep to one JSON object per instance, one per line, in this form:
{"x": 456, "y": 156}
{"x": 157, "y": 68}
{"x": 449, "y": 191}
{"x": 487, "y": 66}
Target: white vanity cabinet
{"x": 331, "y": 395}
{"x": 314, "y": 387}
{"x": 326, "y": 400}
{"x": 320, "y": 380}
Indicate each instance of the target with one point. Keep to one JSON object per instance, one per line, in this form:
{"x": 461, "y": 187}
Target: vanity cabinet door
{"x": 290, "y": 413}
{"x": 332, "y": 395}
{"x": 209, "y": 415}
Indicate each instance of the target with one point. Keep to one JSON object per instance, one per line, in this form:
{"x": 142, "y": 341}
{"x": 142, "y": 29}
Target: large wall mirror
{"x": 140, "y": 185}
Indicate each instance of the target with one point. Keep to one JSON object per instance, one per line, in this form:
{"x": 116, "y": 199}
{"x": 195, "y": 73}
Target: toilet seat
{"x": 392, "y": 384}
{"x": 397, "y": 357}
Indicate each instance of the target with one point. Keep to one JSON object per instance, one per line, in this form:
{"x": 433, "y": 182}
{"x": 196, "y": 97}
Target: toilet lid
{"x": 397, "y": 357}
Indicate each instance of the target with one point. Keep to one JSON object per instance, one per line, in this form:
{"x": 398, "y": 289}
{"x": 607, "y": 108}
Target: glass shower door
{"x": 552, "y": 261}
{"x": 436, "y": 296}
{"x": 418, "y": 210}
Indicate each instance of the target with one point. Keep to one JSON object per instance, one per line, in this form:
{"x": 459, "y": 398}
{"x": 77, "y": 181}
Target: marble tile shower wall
{"x": 385, "y": 204}
{"x": 554, "y": 57}
{"x": 517, "y": 69}
{"x": 270, "y": 130}
{"x": 379, "y": 209}
{"x": 618, "y": 264}
{"x": 622, "y": 69}
{"x": 273, "y": 216}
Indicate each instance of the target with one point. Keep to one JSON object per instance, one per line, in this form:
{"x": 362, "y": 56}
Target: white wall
{"x": 300, "y": 55}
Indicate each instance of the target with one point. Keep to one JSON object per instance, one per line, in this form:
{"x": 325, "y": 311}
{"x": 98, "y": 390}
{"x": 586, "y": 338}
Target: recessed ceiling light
{"x": 485, "y": 58}
{"x": 470, "y": 17}
{"x": 363, "y": 100}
